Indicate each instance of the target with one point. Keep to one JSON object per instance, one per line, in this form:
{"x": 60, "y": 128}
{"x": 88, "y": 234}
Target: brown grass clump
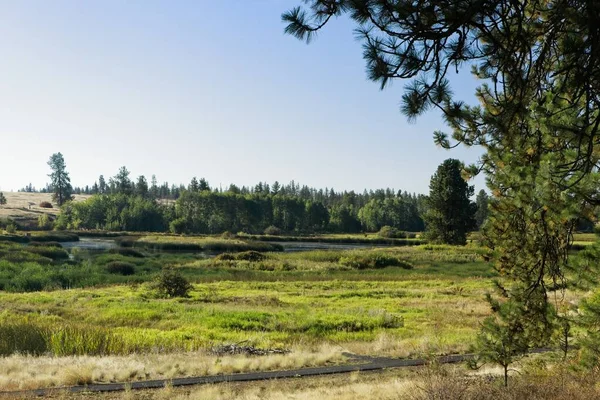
{"x": 19, "y": 372}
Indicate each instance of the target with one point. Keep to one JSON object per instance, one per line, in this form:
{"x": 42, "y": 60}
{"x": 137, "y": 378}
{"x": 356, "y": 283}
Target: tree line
{"x": 134, "y": 205}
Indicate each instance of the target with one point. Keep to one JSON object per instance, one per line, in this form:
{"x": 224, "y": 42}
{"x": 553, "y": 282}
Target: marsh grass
{"x": 196, "y": 243}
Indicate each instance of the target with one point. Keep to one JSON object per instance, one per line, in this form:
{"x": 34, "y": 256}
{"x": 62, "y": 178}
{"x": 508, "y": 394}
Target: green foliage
{"x": 44, "y": 222}
{"x": 402, "y": 213}
{"x": 502, "y": 340}
{"x": 2, "y": 199}
{"x": 52, "y": 252}
{"x": 114, "y": 212}
{"x": 390, "y": 232}
{"x": 272, "y": 231}
{"x": 449, "y": 216}
{"x": 120, "y": 267}
{"x": 171, "y": 283}
{"x": 373, "y": 261}
{"x": 11, "y": 227}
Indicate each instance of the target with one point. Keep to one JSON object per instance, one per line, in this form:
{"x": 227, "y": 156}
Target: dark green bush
{"x": 120, "y": 267}
{"x": 170, "y": 283}
{"x": 373, "y": 261}
{"x": 128, "y": 252}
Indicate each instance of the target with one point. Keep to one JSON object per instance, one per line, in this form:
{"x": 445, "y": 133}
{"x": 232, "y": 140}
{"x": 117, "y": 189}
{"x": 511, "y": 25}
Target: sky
{"x": 203, "y": 88}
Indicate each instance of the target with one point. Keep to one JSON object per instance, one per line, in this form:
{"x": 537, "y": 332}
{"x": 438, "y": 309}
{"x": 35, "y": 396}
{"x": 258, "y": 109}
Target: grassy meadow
{"x": 80, "y": 316}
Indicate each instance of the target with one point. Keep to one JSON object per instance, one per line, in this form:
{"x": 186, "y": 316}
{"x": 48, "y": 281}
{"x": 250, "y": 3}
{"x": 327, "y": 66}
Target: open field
{"x": 24, "y": 209}
{"x": 402, "y": 301}
{"x": 95, "y": 317}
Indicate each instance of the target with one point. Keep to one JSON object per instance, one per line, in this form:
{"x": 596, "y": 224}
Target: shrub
{"x": 44, "y": 222}
{"x": 390, "y": 232}
{"x": 170, "y": 283}
{"x": 225, "y": 257}
{"x": 251, "y": 256}
{"x": 45, "y": 204}
{"x": 127, "y": 251}
{"x": 177, "y": 226}
{"x": 273, "y": 230}
{"x": 373, "y": 261}
{"x": 228, "y": 235}
{"x": 11, "y": 227}
{"x": 120, "y": 267}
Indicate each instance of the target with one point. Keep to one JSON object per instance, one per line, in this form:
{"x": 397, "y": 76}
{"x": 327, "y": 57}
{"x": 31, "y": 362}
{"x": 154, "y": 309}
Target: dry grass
{"x": 451, "y": 383}
{"x": 25, "y": 206}
{"x": 23, "y": 372}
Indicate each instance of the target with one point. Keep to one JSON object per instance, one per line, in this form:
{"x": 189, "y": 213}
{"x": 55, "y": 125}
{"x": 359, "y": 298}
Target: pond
{"x": 95, "y": 244}
{"x": 103, "y": 244}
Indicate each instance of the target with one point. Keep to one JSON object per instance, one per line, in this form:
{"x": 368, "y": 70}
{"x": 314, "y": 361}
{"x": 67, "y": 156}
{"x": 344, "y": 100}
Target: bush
{"x": 127, "y": 252}
{"x": 273, "y": 230}
{"x": 390, "y": 232}
{"x": 228, "y": 235}
{"x": 251, "y": 256}
{"x": 11, "y": 227}
{"x": 225, "y": 257}
{"x": 170, "y": 283}
{"x": 177, "y": 226}
{"x": 46, "y": 204}
{"x": 120, "y": 267}
{"x": 44, "y": 222}
{"x": 373, "y": 261}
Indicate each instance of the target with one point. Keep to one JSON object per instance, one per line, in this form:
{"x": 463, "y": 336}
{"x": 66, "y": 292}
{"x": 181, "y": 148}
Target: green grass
{"x": 415, "y": 295}
{"x": 370, "y": 238}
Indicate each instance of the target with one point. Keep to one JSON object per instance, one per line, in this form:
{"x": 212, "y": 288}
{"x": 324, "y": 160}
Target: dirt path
{"x": 364, "y": 363}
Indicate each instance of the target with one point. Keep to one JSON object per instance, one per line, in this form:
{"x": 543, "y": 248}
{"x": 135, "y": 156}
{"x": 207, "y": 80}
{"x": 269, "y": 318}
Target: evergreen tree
{"x": 102, "y": 188}
{"x": 121, "y": 182}
{"x": 450, "y": 214}
{"x": 194, "y": 186}
{"x": 60, "y": 181}
{"x": 2, "y": 199}
{"x": 482, "y": 208}
{"x": 154, "y": 187}
{"x": 203, "y": 185}
{"x": 141, "y": 186}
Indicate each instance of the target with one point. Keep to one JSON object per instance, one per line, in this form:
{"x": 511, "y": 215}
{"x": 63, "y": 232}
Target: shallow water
{"x": 91, "y": 244}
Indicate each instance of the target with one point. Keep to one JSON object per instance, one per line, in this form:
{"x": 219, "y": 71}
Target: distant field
{"x": 23, "y": 207}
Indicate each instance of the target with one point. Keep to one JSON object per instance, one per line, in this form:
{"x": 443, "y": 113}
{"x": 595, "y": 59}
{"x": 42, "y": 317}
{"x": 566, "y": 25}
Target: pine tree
{"x": 450, "y": 214}
{"x": 60, "y": 181}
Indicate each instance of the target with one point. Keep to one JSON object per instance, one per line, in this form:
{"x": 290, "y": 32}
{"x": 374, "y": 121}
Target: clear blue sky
{"x": 202, "y": 88}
